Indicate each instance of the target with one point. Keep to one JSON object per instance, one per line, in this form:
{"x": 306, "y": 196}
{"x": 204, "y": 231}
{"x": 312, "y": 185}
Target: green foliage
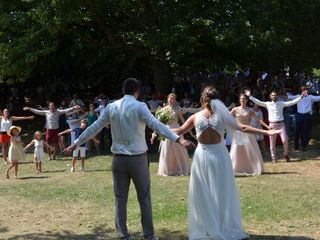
{"x": 92, "y": 42}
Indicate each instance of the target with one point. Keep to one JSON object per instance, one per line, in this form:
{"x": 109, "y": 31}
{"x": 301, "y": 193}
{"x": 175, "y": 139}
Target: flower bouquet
{"x": 164, "y": 115}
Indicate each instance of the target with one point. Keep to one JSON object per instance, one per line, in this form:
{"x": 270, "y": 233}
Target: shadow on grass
{"x": 4, "y": 229}
{"x": 98, "y": 233}
{"x": 275, "y": 237}
{"x": 99, "y": 170}
{"x": 33, "y": 177}
{"x": 54, "y": 171}
{"x": 305, "y": 159}
{"x": 102, "y": 232}
{"x": 29, "y": 162}
{"x": 64, "y": 159}
{"x": 279, "y": 173}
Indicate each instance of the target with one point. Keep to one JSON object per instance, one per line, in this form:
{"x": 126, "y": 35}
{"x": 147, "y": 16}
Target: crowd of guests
{"x": 212, "y": 185}
{"x": 270, "y": 104}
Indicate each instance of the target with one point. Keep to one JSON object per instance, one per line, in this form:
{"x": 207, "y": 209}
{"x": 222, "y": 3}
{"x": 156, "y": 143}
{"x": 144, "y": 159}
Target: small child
{"x": 16, "y": 151}
{"x": 81, "y": 149}
{"x": 38, "y": 150}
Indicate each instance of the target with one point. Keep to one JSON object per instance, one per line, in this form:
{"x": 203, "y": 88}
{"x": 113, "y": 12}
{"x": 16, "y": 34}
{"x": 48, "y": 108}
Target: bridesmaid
{"x": 245, "y": 155}
{"x": 173, "y": 159}
{"x": 5, "y": 123}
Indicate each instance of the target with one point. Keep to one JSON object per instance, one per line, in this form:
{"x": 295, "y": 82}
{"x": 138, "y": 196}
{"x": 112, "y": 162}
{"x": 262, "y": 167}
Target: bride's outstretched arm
{"x": 249, "y": 129}
{"x": 186, "y": 127}
{"x": 182, "y": 120}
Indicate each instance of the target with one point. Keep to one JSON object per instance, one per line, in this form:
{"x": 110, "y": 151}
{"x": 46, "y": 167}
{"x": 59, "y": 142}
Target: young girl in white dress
{"x": 16, "y": 151}
{"x": 38, "y": 150}
{"x": 214, "y": 204}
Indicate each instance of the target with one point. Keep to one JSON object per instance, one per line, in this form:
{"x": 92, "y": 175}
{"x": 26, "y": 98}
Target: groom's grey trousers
{"x": 125, "y": 168}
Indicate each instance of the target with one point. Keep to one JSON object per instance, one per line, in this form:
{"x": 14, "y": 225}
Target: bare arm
{"x": 153, "y": 137}
{"x": 183, "y": 121}
{"x": 233, "y": 111}
{"x": 73, "y": 112}
{"x": 65, "y": 132}
{"x": 29, "y": 145}
{"x": 230, "y": 121}
{"x": 190, "y": 110}
{"x": 36, "y": 111}
{"x": 186, "y": 127}
{"x": 95, "y": 140}
{"x": 259, "y": 120}
{"x": 47, "y": 145}
{"x": 249, "y": 129}
{"x": 69, "y": 109}
{"x": 256, "y": 101}
{"x": 264, "y": 124}
{"x": 15, "y": 118}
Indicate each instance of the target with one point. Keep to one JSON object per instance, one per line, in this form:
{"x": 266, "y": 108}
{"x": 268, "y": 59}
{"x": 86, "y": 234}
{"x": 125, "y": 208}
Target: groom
{"x": 128, "y": 119}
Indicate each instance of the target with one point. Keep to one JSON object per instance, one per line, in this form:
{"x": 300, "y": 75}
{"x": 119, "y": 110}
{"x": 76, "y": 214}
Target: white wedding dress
{"x": 214, "y": 205}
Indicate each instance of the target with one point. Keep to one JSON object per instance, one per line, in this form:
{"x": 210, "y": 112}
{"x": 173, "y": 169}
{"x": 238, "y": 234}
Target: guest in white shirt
{"x": 52, "y": 120}
{"x": 128, "y": 119}
{"x": 275, "y": 117}
{"x": 303, "y": 119}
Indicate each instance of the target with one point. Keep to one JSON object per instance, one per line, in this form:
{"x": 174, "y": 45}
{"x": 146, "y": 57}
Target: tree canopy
{"x": 92, "y": 43}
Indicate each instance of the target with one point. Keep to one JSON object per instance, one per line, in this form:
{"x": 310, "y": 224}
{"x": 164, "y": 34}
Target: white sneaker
{"x": 82, "y": 170}
{"x": 72, "y": 169}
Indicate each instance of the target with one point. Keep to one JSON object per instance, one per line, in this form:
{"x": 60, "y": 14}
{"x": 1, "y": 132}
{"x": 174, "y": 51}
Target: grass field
{"x": 281, "y": 204}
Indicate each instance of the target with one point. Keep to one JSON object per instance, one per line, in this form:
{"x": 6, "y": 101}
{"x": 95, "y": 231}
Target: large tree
{"x": 94, "y": 41}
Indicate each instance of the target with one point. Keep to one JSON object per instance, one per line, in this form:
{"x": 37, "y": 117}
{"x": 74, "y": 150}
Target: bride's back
{"x": 208, "y": 129}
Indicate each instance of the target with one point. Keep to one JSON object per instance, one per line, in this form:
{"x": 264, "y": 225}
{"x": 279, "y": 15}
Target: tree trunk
{"x": 161, "y": 76}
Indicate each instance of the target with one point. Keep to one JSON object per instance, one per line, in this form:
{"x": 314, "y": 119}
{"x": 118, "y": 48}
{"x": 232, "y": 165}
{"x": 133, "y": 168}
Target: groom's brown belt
{"x": 126, "y": 155}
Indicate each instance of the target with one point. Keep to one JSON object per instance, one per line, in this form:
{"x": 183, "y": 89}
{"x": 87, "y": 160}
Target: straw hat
{"x": 13, "y": 127}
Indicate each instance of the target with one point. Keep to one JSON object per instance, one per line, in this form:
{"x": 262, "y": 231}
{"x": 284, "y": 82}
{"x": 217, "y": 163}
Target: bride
{"x": 214, "y": 204}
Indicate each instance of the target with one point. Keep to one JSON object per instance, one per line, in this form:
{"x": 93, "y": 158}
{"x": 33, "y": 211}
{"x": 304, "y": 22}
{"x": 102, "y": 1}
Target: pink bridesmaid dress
{"x": 246, "y": 156}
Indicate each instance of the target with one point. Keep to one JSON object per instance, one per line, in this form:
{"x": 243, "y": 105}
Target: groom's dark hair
{"x": 130, "y": 86}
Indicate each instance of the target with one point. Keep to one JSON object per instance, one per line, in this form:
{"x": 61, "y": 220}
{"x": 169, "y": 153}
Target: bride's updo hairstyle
{"x": 209, "y": 93}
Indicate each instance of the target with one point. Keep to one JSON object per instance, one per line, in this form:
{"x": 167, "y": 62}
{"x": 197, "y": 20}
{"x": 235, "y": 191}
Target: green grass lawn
{"x": 58, "y": 204}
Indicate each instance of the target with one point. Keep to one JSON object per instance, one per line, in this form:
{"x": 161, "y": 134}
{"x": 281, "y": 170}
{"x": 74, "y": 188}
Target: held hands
{"x": 26, "y": 108}
{"x": 304, "y": 93}
{"x": 186, "y": 143}
{"x": 273, "y": 132}
{"x": 247, "y": 92}
{"x": 70, "y": 149}
{"x": 153, "y": 137}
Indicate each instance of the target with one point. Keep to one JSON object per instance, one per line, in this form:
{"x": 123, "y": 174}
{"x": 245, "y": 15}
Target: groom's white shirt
{"x": 128, "y": 118}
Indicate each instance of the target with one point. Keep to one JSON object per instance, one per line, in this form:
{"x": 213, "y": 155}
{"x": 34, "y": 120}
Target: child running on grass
{"x": 38, "y": 150}
{"x": 81, "y": 149}
{"x": 16, "y": 151}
